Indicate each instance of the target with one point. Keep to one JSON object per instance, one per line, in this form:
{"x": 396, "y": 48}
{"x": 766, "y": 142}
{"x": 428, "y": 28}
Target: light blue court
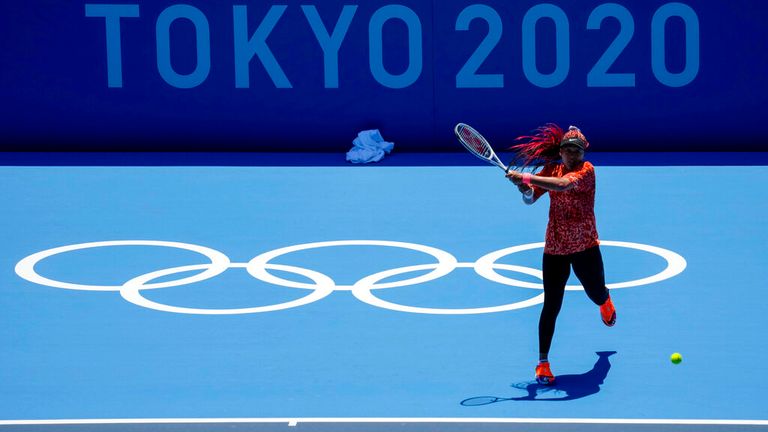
{"x": 284, "y": 296}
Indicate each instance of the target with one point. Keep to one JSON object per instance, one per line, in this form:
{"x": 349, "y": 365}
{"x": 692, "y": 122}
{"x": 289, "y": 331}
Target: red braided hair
{"x": 539, "y": 149}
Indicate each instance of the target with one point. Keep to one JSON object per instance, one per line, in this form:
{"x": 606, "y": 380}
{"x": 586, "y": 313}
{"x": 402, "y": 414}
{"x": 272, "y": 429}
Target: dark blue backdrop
{"x": 308, "y": 75}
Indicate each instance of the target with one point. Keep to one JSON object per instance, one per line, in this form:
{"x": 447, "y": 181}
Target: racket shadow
{"x": 565, "y": 388}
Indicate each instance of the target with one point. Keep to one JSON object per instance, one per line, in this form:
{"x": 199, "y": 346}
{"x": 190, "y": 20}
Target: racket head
{"x": 473, "y": 141}
{"x": 476, "y": 144}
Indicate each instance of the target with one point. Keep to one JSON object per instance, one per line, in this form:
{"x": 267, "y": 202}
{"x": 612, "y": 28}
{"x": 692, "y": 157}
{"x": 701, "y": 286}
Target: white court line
{"x": 296, "y": 421}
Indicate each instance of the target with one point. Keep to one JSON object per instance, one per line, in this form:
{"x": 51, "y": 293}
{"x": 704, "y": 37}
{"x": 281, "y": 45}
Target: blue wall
{"x": 273, "y": 75}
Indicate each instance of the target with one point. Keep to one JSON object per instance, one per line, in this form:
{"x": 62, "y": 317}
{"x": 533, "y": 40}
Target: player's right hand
{"x": 515, "y": 177}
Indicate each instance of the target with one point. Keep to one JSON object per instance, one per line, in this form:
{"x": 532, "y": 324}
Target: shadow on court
{"x": 566, "y": 387}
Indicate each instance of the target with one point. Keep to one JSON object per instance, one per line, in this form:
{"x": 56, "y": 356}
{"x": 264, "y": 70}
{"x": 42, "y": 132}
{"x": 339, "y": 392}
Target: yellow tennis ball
{"x": 676, "y": 358}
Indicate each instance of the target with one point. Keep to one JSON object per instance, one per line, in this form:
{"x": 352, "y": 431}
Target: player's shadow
{"x": 565, "y": 388}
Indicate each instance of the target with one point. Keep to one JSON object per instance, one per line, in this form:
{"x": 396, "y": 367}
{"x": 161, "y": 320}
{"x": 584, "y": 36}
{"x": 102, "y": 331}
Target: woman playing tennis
{"x": 571, "y": 237}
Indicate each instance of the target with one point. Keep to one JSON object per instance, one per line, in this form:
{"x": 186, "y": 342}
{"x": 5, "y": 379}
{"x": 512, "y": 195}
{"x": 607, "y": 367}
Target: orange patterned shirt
{"x": 572, "y": 226}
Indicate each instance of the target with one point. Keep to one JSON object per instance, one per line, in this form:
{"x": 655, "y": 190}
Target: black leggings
{"x": 588, "y": 266}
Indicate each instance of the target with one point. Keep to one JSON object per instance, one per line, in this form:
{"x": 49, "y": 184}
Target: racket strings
{"x": 475, "y": 143}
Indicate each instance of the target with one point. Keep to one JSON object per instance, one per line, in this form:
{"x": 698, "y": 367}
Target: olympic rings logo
{"x": 323, "y": 285}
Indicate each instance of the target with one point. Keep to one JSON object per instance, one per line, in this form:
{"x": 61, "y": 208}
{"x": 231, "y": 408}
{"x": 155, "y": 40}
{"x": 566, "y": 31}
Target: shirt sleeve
{"x": 580, "y": 178}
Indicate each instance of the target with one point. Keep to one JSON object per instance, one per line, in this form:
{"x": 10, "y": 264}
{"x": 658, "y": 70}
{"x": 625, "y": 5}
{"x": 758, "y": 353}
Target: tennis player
{"x": 571, "y": 237}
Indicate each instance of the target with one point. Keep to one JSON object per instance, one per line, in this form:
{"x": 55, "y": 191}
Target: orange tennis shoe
{"x": 543, "y": 374}
{"x": 608, "y": 312}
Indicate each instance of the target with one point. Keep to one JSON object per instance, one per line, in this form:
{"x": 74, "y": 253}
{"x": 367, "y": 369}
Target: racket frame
{"x": 491, "y": 158}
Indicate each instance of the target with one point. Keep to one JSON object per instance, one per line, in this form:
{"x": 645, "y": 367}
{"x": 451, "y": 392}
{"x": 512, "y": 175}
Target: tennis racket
{"x": 477, "y": 145}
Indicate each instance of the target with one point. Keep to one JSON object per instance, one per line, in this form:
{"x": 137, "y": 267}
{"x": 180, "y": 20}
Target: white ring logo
{"x": 323, "y": 285}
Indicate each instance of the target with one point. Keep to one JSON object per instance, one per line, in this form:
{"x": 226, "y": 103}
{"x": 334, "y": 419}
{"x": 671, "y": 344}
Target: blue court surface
{"x": 382, "y": 297}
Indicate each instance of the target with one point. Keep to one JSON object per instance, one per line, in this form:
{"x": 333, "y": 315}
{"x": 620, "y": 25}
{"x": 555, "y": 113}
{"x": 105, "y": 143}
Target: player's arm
{"x": 530, "y": 192}
{"x": 557, "y": 184}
